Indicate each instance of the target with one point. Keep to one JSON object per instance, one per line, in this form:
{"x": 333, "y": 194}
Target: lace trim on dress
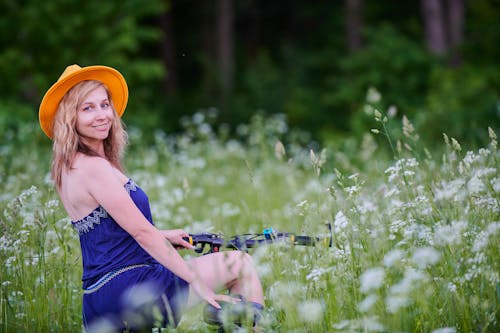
{"x": 85, "y": 225}
{"x": 88, "y": 223}
{"x": 131, "y": 186}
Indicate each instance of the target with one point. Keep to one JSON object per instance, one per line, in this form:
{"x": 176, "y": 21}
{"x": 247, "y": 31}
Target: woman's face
{"x": 94, "y": 117}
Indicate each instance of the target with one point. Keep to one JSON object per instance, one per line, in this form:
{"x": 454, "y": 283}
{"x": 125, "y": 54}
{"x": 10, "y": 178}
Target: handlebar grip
{"x": 188, "y": 239}
{"x": 304, "y": 240}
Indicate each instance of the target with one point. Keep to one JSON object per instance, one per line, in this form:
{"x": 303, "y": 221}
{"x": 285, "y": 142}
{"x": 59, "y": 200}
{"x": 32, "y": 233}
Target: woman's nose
{"x": 100, "y": 112}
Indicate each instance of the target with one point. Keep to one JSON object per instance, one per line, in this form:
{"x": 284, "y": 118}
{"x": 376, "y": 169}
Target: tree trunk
{"x": 168, "y": 52}
{"x": 456, "y": 14}
{"x": 435, "y": 35}
{"x": 224, "y": 53}
{"x": 354, "y": 24}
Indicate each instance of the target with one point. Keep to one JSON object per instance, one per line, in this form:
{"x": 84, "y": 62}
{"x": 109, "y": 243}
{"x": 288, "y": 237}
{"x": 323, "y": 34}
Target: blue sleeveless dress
{"x": 123, "y": 286}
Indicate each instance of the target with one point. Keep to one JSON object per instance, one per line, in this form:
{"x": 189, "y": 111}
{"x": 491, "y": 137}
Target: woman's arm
{"x": 104, "y": 186}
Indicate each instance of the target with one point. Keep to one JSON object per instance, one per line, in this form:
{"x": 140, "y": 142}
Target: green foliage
{"x": 46, "y": 36}
{"x": 396, "y": 65}
{"x": 464, "y": 100}
{"x": 297, "y": 66}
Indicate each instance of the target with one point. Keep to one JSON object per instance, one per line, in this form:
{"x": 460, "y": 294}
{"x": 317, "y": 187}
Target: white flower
{"x": 450, "y": 190}
{"x": 452, "y": 287}
{"x": 340, "y": 222}
{"x": 410, "y": 279}
{"x": 279, "y": 150}
{"x": 450, "y": 234}
{"x": 310, "y": 311}
{"x": 264, "y": 269}
{"x": 366, "y": 304}
{"x": 316, "y": 273}
{"x": 393, "y": 257}
{"x": 475, "y": 185}
{"x": 373, "y": 95}
{"x": 495, "y": 182}
{"x": 426, "y": 256}
{"x": 372, "y": 279}
{"x": 139, "y": 295}
{"x": 394, "y": 303}
{"x": 445, "y": 330}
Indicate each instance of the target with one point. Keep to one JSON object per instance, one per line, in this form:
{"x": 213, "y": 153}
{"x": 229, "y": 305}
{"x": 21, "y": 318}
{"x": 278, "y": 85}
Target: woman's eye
{"x": 87, "y": 108}
{"x": 105, "y": 105}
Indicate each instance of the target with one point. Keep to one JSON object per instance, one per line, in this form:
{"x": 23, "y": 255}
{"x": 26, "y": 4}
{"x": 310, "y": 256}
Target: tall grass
{"x": 415, "y": 236}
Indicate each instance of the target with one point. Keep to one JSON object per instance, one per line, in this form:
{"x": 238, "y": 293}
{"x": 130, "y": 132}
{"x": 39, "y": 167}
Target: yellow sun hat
{"x": 73, "y": 75}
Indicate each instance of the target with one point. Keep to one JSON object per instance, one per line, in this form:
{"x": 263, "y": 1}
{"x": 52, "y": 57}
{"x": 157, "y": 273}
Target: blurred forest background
{"x": 435, "y": 61}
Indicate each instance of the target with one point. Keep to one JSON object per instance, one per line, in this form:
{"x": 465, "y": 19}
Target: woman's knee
{"x": 243, "y": 258}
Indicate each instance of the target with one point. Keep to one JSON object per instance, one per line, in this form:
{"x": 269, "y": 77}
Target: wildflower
{"x": 396, "y": 302}
{"x": 367, "y": 205}
{"x": 352, "y": 190}
{"x": 139, "y": 295}
{"x": 303, "y": 206}
{"x": 283, "y": 292}
{"x": 368, "y": 109}
{"x": 279, "y": 150}
{"x": 452, "y": 287}
{"x": 392, "y": 257}
{"x": 101, "y": 325}
{"x": 373, "y": 95}
{"x": 445, "y": 330}
{"x": 493, "y": 137}
{"x": 316, "y": 273}
{"x": 366, "y": 324}
{"x": 52, "y": 204}
{"x": 475, "y": 185}
{"x": 229, "y": 210}
{"x": 392, "y": 111}
{"x": 317, "y": 161}
{"x": 264, "y": 269}
{"x": 455, "y": 144}
{"x": 426, "y": 256}
{"x": 340, "y": 222}
{"x": 372, "y": 279}
{"x": 408, "y": 128}
{"x": 366, "y": 304}
{"x": 310, "y": 311}
{"x": 450, "y": 190}
{"x": 408, "y": 282}
{"x": 450, "y": 234}
{"x": 20, "y": 315}
{"x": 493, "y": 228}
{"x": 480, "y": 242}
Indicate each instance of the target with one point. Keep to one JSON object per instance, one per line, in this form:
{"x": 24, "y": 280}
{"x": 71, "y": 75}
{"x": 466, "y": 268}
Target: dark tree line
{"x": 312, "y": 60}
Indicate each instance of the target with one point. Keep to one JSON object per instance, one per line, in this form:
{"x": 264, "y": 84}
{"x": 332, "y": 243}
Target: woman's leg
{"x": 232, "y": 270}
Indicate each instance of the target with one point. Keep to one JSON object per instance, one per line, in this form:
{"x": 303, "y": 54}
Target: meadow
{"x": 416, "y": 230}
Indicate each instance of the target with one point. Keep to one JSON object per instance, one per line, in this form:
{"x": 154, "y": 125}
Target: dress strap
{"x": 108, "y": 277}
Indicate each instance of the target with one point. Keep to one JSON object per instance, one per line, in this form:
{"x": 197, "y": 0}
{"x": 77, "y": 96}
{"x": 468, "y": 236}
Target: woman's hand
{"x": 209, "y": 296}
{"x": 175, "y": 237}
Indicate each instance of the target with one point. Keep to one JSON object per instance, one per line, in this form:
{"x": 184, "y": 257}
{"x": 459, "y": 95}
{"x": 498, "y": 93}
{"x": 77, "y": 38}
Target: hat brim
{"x": 110, "y": 77}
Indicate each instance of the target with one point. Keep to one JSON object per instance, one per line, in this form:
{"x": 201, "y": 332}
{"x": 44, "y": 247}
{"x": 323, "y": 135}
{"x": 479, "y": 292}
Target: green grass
{"x": 416, "y": 237}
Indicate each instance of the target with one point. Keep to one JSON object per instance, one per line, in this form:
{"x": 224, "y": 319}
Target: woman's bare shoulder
{"x": 75, "y": 191}
{"x": 96, "y": 167}
{"x": 86, "y": 164}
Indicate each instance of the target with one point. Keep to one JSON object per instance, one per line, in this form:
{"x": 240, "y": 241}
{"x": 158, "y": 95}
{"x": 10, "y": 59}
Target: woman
{"x": 132, "y": 275}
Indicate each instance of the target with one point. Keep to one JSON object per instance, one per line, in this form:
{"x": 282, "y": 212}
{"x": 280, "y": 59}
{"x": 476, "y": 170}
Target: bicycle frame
{"x": 217, "y": 242}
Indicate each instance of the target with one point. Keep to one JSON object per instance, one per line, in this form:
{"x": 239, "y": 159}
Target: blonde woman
{"x": 132, "y": 275}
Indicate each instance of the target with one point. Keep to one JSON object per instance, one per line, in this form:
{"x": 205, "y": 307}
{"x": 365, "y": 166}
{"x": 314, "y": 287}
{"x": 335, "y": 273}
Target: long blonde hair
{"x": 68, "y": 142}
